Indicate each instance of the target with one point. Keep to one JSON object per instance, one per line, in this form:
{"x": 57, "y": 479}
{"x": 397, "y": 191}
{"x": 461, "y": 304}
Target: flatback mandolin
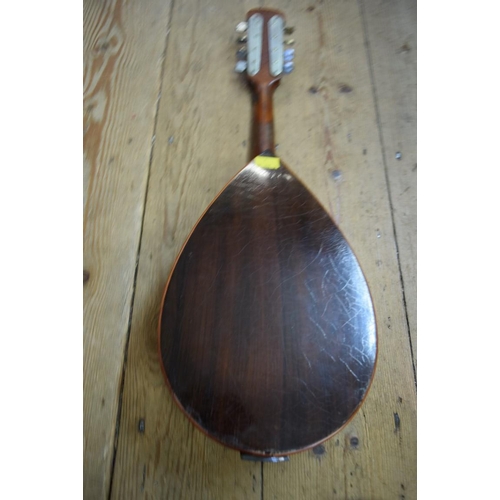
{"x": 267, "y": 333}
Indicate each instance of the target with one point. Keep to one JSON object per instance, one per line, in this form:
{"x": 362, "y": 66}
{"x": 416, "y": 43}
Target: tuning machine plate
{"x": 275, "y": 30}
{"x": 254, "y": 43}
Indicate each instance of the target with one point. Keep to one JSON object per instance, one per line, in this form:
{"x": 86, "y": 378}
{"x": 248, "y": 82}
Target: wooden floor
{"x": 162, "y": 108}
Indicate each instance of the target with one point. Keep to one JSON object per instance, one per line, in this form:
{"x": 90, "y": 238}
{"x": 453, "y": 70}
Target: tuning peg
{"x": 241, "y": 54}
{"x": 242, "y": 39}
{"x": 240, "y": 67}
{"x": 288, "y": 67}
{"x": 288, "y": 30}
{"x": 291, "y": 41}
{"x": 241, "y": 27}
{"x": 288, "y": 55}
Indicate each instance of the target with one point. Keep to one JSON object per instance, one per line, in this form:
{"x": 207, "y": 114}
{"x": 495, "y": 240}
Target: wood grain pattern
{"x": 390, "y": 32}
{"x": 123, "y": 45}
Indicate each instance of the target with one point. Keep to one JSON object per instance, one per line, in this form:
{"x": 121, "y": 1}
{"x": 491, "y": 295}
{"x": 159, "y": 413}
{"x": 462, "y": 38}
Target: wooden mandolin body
{"x": 267, "y": 332}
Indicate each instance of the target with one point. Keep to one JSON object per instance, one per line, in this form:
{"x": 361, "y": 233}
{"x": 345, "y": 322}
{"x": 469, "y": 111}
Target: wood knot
{"x": 397, "y": 423}
{"x": 319, "y": 450}
{"x": 86, "y": 276}
{"x": 336, "y": 174}
{"x": 345, "y": 89}
{"x": 141, "y": 426}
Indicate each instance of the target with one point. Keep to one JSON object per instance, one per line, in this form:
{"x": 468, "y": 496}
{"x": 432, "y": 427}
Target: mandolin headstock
{"x": 265, "y": 55}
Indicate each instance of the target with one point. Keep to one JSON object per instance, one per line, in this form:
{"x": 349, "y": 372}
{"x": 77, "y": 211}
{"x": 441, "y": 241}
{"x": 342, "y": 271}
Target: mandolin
{"x": 267, "y": 334}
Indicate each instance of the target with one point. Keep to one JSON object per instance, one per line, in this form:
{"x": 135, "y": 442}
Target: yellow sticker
{"x": 269, "y": 162}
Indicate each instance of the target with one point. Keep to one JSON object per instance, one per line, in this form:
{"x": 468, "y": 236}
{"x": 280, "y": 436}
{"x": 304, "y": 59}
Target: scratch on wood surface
{"x": 321, "y": 31}
{"x": 143, "y": 477}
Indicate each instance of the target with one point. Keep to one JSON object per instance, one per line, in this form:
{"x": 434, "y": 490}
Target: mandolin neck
{"x": 264, "y": 67}
{"x": 262, "y": 135}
